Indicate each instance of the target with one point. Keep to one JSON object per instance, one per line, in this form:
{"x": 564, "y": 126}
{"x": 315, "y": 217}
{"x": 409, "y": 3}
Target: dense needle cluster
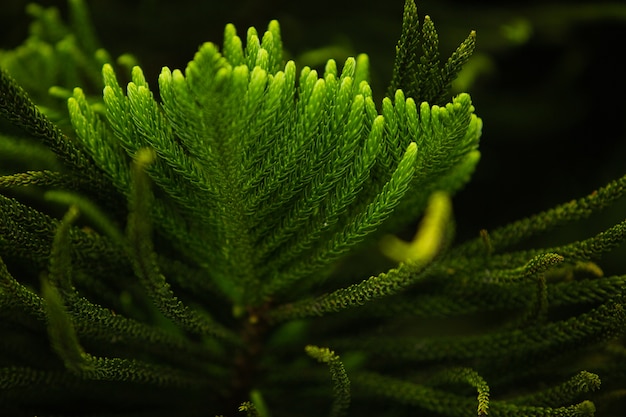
{"x": 180, "y": 249}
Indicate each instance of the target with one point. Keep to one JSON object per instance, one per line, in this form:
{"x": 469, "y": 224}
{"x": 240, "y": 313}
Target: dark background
{"x": 547, "y": 81}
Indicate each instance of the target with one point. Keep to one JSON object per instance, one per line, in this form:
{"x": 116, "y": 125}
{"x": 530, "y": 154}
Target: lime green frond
{"x": 302, "y": 164}
{"x": 364, "y": 223}
{"x": 241, "y": 209}
{"x": 429, "y": 238}
{"x": 446, "y": 138}
{"x": 414, "y": 256}
{"x": 97, "y": 140}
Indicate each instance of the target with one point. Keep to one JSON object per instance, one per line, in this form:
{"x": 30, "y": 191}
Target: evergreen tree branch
{"x": 365, "y": 222}
{"x": 571, "y": 211}
{"x": 15, "y": 106}
{"x": 600, "y": 323}
{"x": 405, "y": 64}
{"x": 39, "y": 178}
{"x": 564, "y": 393}
{"x": 417, "y": 67}
{"x": 467, "y": 376}
{"x": 145, "y": 261}
{"x": 17, "y": 302}
{"x": 341, "y": 383}
{"x": 448, "y": 404}
{"x": 415, "y": 256}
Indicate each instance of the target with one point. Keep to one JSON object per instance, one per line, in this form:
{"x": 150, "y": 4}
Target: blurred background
{"x": 547, "y": 79}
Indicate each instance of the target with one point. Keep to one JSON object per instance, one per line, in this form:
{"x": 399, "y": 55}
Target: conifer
{"x": 177, "y": 248}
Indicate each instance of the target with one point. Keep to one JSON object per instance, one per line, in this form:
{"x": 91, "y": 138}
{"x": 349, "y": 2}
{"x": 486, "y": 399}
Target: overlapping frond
{"x": 418, "y": 70}
{"x": 214, "y": 205}
{"x": 300, "y": 163}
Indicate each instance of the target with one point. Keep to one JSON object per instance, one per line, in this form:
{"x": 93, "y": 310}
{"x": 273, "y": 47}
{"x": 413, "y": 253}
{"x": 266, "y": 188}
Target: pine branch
{"x": 434, "y": 400}
{"x": 17, "y": 301}
{"x": 453, "y": 405}
{"x": 341, "y": 383}
{"x": 16, "y": 107}
{"x": 467, "y": 376}
{"x": 417, "y": 255}
{"x": 251, "y": 186}
{"x": 571, "y": 211}
{"x": 146, "y": 266}
{"x": 417, "y": 67}
{"x": 565, "y": 393}
{"x": 39, "y": 178}
{"x": 601, "y": 323}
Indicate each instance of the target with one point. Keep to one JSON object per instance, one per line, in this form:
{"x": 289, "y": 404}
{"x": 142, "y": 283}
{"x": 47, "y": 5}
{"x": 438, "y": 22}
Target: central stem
{"x": 253, "y": 331}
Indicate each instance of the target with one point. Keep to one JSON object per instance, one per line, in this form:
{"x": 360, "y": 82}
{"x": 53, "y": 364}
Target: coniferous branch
{"x": 456, "y": 298}
{"x": 405, "y": 59}
{"x": 598, "y": 324}
{"x": 417, "y": 68}
{"x": 145, "y": 263}
{"x": 374, "y": 214}
{"x": 468, "y": 376}
{"x": 571, "y": 211}
{"x": 450, "y": 404}
{"x": 565, "y": 393}
{"x": 316, "y": 97}
{"x": 425, "y": 397}
{"x": 31, "y": 236}
{"x": 40, "y": 178}
{"x": 17, "y": 300}
{"x": 341, "y": 383}
{"x": 62, "y": 331}
{"x": 16, "y": 107}
{"x": 415, "y": 256}
{"x": 246, "y": 182}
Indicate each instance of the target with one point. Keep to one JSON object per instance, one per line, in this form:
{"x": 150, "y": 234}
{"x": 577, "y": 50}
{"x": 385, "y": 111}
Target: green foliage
{"x": 417, "y": 68}
{"x": 175, "y": 252}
